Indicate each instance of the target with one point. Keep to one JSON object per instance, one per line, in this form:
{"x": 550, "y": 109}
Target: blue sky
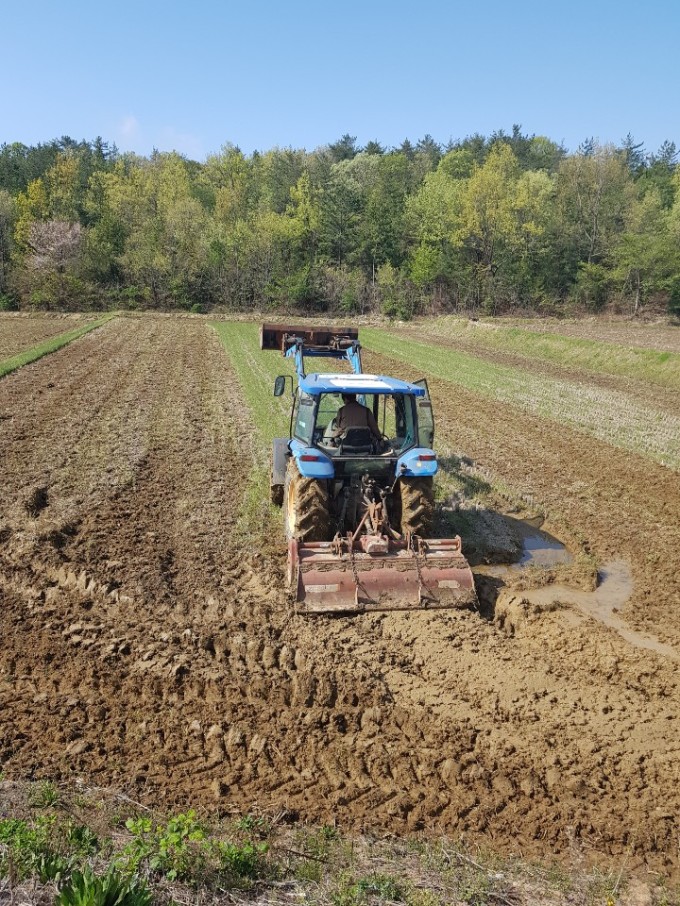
{"x": 192, "y": 77}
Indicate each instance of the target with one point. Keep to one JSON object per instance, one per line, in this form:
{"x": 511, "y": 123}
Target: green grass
{"x": 609, "y": 415}
{"x": 48, "y": 346}
{"x": 256, "y": 370}
{"x": 649, "y": 365}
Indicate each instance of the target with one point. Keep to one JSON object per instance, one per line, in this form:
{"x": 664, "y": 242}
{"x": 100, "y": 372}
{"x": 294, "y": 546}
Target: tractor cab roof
{"x": 316, "y": 384}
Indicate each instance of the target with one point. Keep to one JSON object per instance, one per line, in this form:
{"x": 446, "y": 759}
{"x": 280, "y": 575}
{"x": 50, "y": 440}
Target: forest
{"x": 506, "y": 222}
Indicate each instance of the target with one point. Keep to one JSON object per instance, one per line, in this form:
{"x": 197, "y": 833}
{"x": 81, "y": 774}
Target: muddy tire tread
{"x": 416, "y": 505}
{"x": 311, "y": 506}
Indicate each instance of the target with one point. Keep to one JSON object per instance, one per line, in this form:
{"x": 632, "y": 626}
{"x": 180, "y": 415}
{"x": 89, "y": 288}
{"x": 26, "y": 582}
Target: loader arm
{"x": 298, "y": 350}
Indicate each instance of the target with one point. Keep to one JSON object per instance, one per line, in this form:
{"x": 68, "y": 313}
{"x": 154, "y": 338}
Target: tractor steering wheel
{"x": 384, "y": 443}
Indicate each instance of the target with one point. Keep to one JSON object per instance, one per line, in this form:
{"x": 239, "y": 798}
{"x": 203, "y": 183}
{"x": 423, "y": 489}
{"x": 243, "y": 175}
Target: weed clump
{"x": 182, "y": 850}
{"x": 111, "y": 889}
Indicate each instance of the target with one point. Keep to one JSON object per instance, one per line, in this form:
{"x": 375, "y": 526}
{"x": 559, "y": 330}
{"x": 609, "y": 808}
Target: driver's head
{"x": 349, "y": 397}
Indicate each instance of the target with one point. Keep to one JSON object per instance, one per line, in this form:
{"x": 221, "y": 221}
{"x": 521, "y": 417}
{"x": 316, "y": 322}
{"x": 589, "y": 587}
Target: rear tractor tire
{"x": 415, "y": 505}
{"x": 306, "y": 504}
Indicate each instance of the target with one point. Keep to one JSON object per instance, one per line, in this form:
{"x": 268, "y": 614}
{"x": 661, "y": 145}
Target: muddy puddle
{"x": 615, "y": 586}
{"x": 538, "y": 549}
{"x": 541, "y": 550}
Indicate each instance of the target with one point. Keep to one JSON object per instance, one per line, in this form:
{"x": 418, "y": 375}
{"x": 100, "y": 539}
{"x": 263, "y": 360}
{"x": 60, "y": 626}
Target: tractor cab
{"x": 389, "y": 416}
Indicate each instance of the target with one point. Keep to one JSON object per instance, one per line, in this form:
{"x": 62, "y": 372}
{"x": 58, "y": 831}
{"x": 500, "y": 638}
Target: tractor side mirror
{"x": 280, "y": 385}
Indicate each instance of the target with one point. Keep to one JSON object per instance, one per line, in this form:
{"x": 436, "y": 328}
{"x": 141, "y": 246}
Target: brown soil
{"x": 145, "y": 644}
{"x": 18, "y": 332}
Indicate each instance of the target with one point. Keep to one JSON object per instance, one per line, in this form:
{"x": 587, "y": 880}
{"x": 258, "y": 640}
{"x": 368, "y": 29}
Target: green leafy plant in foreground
{"x": 252, "y": 824}
{"x": 29, "y": 849}
{"x": 368, "y": 889}
{"x": 44, "y": 795}
{"x": 111, "y": 889}
{"x": 182, "y": 850}
{"x": 241, "y": 860}
{"x": 173, "y": 849}
{"x": 81, "y": 839}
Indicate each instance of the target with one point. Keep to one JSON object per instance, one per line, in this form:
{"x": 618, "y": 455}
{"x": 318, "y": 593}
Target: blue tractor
{"x": 354, "y": 478}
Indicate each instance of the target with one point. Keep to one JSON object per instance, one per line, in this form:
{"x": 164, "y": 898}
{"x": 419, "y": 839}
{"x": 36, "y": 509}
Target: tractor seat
{"x": 356, "y": 442}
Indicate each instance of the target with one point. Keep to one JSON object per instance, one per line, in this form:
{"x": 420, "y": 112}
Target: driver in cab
{"x": 353, "y": 415}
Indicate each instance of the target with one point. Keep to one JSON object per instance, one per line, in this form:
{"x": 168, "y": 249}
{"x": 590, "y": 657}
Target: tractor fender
{"x": 417, "y": 462}
{"x": 311, "y": 462}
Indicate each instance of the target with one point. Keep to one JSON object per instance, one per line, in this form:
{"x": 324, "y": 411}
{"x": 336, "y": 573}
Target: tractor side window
{"x": 396, "y": 421}
{"x": 303, "y": 418}
{"x": 388, "y": 422}
{"x": 425, "y": 423}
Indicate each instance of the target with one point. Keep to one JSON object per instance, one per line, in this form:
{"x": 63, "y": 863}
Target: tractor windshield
{"x": 393, "y": 413}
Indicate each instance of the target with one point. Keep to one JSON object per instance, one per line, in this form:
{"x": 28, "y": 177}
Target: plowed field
{"x": 18, "y": 332}
{"x": 147, "y": 641}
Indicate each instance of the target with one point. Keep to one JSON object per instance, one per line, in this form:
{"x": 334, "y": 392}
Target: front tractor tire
{"x": 306, "y": 504}
{"x": 415, "y": 505}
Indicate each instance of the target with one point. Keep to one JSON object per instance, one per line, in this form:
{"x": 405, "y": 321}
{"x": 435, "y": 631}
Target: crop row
{"x": 609, "y": 415}
{"x": 256, "y": 371}
{"x": 649, "y": 365}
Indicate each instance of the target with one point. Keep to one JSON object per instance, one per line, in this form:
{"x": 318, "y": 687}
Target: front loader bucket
{"x": 276, "y": 336}
{"x": 326, "y": 581}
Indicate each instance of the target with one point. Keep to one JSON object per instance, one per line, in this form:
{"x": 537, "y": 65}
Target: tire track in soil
{"x": 141, "y": 648}
{"x": 591, "y": 718}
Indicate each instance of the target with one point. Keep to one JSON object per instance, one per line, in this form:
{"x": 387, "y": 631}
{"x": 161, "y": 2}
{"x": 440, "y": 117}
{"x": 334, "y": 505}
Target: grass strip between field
{"x": 648, "y": 365}
{"x": 52, "y": 344}
{"x": 608, "y": 415}
{"x": 256, "y": 371}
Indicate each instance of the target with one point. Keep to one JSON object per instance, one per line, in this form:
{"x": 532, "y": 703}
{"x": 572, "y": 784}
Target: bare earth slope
{"x": 144, "y": 643}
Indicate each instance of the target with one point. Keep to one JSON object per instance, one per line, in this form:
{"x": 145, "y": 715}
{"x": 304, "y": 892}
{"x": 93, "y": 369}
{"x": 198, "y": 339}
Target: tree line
{"x": 488, "y": 222}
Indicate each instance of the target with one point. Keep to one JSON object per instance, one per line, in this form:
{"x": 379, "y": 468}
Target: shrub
{"x": 7, "y": 303}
